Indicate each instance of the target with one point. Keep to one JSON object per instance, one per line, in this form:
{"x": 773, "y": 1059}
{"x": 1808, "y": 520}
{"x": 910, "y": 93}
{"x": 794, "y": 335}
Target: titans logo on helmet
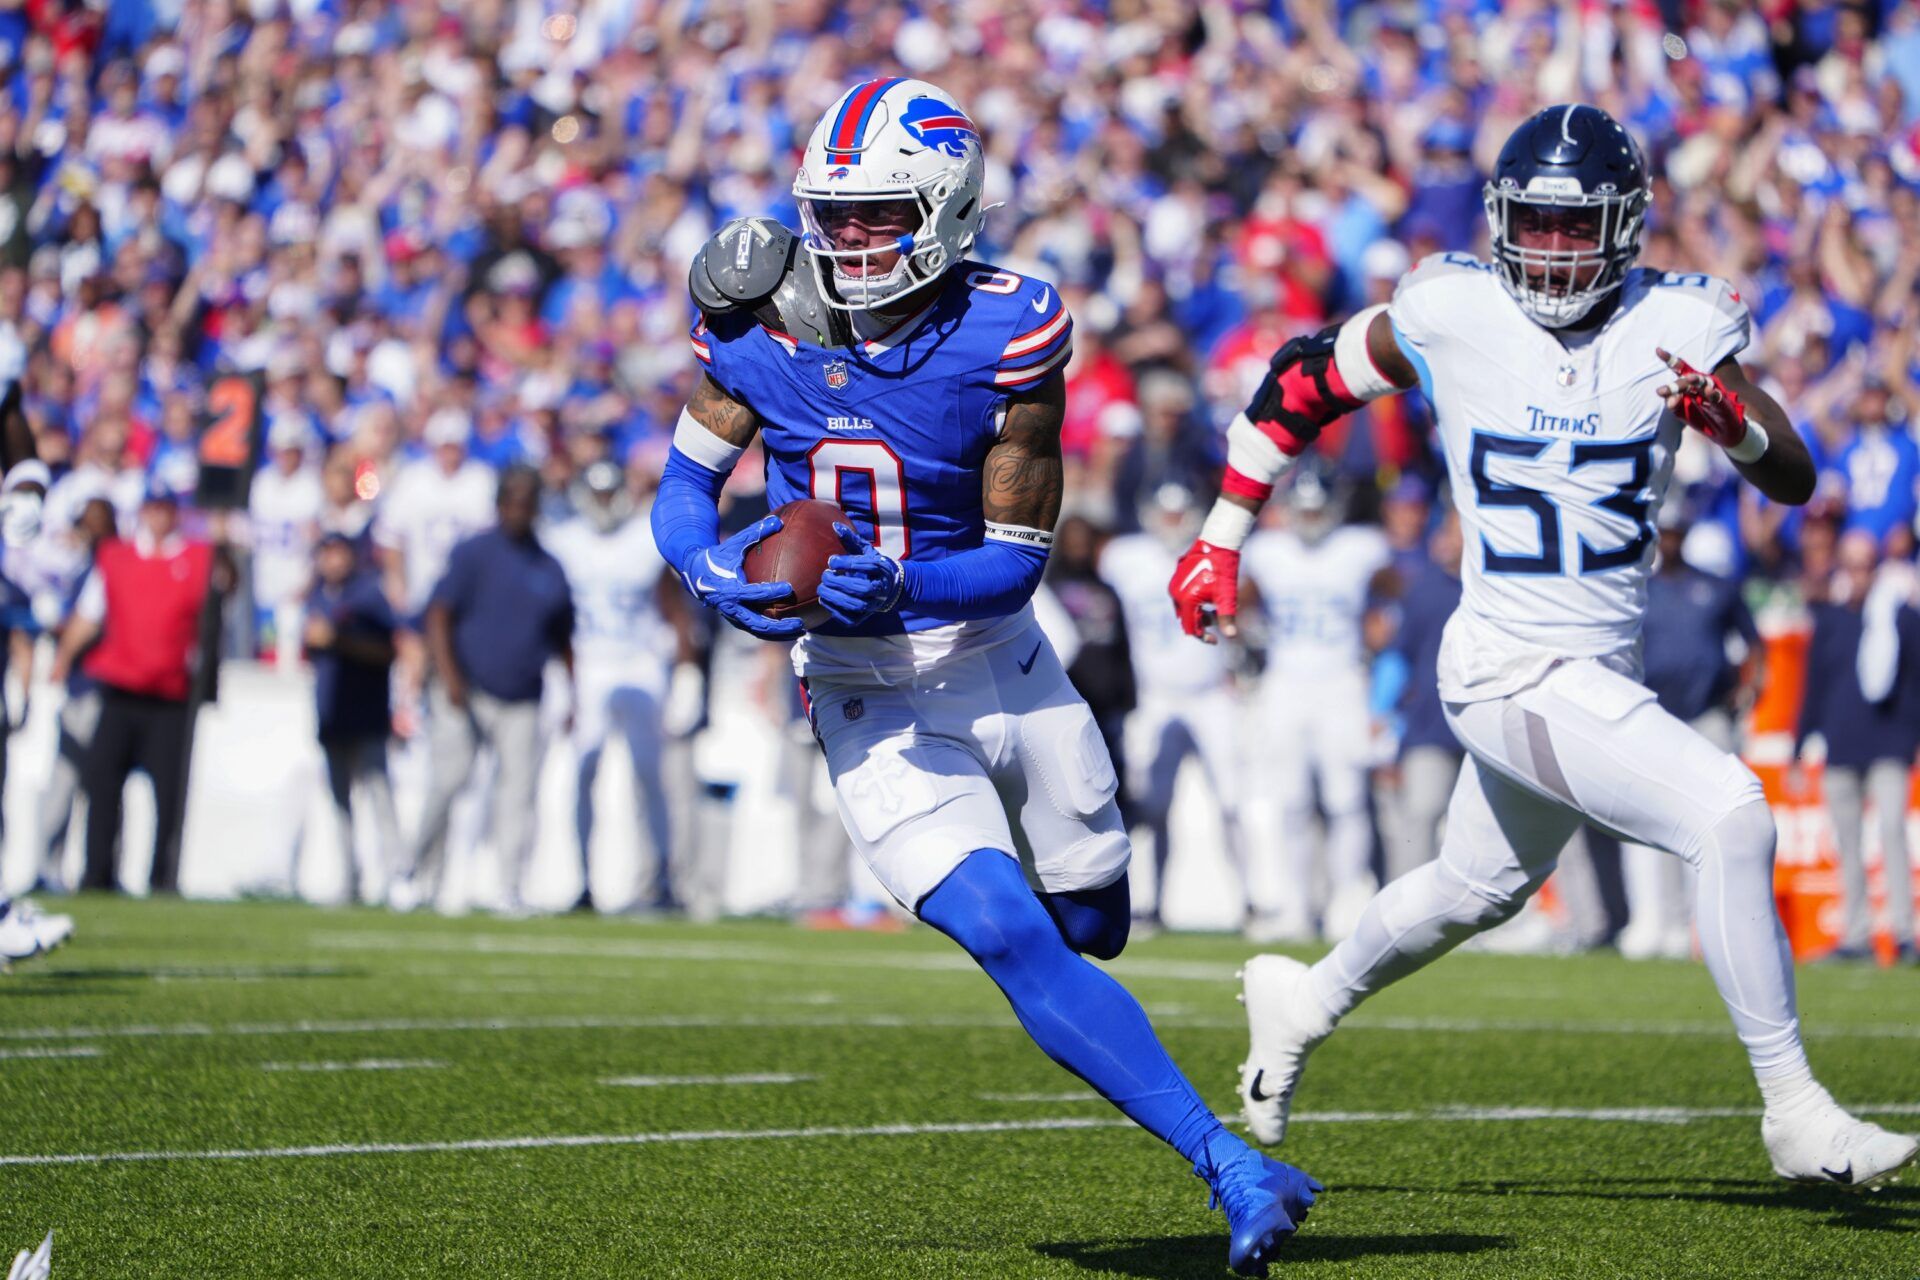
{"x": 939, "y": 125}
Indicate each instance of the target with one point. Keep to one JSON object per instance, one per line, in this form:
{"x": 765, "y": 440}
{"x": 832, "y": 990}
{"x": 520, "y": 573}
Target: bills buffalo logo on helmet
{"x": 939, "y": 125}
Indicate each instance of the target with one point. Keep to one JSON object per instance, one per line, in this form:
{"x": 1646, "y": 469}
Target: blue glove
{"x": 861, "y": 583}
{"x": 717, "y": 580}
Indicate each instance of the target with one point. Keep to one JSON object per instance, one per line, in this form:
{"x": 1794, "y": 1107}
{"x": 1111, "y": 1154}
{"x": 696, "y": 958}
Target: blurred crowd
{"x": 453, "y": 238}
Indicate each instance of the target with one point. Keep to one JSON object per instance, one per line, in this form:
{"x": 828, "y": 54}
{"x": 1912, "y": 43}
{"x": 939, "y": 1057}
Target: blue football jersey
{"x": 896, "y": 429}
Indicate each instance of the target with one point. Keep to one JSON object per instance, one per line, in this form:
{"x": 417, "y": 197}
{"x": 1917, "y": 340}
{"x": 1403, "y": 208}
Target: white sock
{"x": 1746, "y": 950}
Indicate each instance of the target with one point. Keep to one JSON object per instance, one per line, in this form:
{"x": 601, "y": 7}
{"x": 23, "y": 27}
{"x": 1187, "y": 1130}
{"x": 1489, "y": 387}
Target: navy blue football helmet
{"x": 1570, "y": 175}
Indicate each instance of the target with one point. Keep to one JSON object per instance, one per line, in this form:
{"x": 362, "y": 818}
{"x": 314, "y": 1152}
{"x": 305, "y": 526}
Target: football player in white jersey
{"x": 1184, "y": 706}
{"x": 1562, "y": 380}
{"x": 1314, "y": 577}
{"x": 283, "y": 511}
{"x": 624, "y": 645}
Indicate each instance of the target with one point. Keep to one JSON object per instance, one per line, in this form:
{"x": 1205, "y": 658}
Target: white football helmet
{"x": 892, "y": 139}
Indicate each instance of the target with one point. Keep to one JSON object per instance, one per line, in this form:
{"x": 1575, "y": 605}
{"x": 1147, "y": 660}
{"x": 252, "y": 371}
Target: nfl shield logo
{"x": 1566, "y": 375}
{"x": 854, "y": 708}
{"x": 836, "y": 371}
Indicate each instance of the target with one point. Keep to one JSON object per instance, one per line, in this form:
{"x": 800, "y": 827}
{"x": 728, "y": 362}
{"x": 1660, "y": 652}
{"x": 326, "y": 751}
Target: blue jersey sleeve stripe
{"x": 1038, "y": 354}
{"x": 1034, "y": 372}
{"x": 1038, "y": 338}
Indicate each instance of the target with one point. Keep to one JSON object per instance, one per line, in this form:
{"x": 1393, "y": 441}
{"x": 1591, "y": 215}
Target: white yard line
{"x": 1069, "y": 1095}
{"x": 54, "y": 1051}
{"x": 562, "y": 1022}
{"x": 1615, "y": 1115}
{"x": 358, "y": 1064}
{"x": 878, "y": 1021}
{"x": 664, "y": 1082}
{"x": 571, "y": 1140}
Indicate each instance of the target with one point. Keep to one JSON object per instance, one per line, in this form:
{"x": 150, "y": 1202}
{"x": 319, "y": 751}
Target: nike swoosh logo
{"x": 1253, "y": 1090}
{"x": 1843, "y": 1176}
{"x": 725, "y": 573}
{"x": 1026, "y": 668}
{"x": 1193, "y": 574}
{"x": 1040, "y": 303}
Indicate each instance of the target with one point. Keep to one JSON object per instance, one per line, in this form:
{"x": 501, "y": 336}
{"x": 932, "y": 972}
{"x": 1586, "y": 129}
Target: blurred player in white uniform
{"x": 1562, "y": 381}
{"x": 283, "y": 511}
{"x": 434, "y": 502}
{"x": 623, "y": 652}
{"x": 1184, "y": 703}
{"x": 1314, "y": 577}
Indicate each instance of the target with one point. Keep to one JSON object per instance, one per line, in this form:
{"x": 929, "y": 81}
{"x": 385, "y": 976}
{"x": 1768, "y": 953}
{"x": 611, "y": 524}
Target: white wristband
{"x": 1354, "y": 360}
{"x": 1227, "y": 526}
{"x": 1751, "y": 445}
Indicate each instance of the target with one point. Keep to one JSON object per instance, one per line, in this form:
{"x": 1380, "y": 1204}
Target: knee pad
{"x": 1745, "y": 834}
{"x": 1093, "y": 921}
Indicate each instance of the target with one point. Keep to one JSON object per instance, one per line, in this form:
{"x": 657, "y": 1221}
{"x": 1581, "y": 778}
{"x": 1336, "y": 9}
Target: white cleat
{"x": 26, "y": 931}
{"x": 1284, "y": 1024}
{"x": 37, "y": 1265}
{"x": 1818, "y": 1141}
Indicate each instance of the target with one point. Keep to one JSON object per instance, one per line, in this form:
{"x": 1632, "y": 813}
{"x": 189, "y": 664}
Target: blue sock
{"x": 1093, "y": 921}
{"x": 1080, "y": 1017}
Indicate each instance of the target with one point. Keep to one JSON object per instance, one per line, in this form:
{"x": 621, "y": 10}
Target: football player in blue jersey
{"x": 922, "y": 392}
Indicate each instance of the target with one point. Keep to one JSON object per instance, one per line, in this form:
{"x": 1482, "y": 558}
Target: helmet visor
{"x": 866, "y": 242}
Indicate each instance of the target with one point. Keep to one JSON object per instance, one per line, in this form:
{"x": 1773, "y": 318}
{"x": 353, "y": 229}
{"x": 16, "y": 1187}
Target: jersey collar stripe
{"x": 1032, "y": 373}
{"x": 1037, "y": 338}
{"x": 851, "y": 127}
{"x": 791, "y": 346}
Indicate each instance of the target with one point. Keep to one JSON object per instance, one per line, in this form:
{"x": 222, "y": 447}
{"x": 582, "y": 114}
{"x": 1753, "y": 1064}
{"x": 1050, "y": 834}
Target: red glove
{"x": 1703, "y": 402}
{"x": 1206, "y": 582}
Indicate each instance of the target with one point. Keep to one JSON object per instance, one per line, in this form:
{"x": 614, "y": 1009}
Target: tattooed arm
{"x": 711, "y": 407}
{"x": 712, "y": 434}
{"x": 1023, "y": 469}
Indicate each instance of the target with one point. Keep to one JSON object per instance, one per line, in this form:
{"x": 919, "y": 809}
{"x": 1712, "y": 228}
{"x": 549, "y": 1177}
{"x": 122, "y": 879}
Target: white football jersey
{"x": 1558, "y": 455}
{"x": 284, "y": 513}
{"x": 1315, "y": 595}
{"x": 1138, "y": 567}
{"x": 427, "y": 512}
{"x": 614, "y": 577}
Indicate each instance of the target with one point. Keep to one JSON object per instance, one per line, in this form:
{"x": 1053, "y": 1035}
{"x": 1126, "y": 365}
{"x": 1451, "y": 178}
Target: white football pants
{"x": 1589, "y": 742}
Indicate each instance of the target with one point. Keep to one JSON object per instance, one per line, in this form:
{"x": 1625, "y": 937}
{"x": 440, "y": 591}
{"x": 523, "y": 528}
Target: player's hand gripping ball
{"x": 796, "y": 556}
{"x": 719, "y": 579}
{"x": 862, "y": 582}
{"x": 1206, "y": 590}
{"x": 1703, "y": 402}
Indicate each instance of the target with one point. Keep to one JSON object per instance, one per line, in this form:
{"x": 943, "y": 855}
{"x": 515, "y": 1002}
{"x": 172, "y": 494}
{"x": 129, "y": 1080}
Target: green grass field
{"x": 275, "y": 1090}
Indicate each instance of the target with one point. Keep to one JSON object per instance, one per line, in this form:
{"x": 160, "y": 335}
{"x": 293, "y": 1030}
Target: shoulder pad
{"x": 744, "y": 262}
{"x": 751, "y": 264}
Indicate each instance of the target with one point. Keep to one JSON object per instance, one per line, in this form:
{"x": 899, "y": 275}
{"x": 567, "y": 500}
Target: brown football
{"x": 797, "y": 553}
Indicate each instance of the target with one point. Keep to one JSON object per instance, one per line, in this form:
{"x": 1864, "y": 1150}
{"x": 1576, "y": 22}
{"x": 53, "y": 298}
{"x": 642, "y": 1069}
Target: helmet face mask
{"x": 886, "y": 264}
{"x": 900, "y": 149}
{"x": 1564, "y": 212}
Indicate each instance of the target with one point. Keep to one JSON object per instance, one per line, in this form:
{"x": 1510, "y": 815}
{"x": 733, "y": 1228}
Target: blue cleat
{"x": 1266, "y": 1201}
